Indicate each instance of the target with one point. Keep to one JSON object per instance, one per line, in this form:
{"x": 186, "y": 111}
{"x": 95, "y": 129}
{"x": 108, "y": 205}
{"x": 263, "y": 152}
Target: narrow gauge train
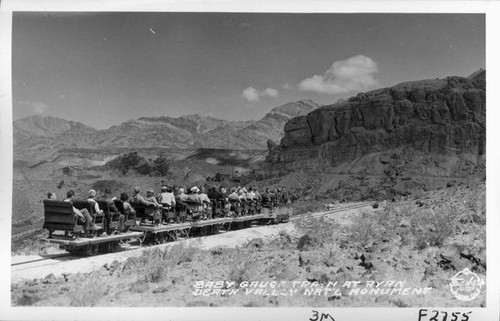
{"x": 66, "y": 231}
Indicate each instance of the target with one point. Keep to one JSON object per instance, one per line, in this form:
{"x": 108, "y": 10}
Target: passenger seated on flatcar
{"x": 258, "y": 197}
{"x": 235, "y": 202}
{"x": 83, "y": 215}
{"x": 180, "y": 205}
{"x": 286, "y": 196}
{"x": 150, "y": 196}
{"x": 107, "y": 197}
{"x": 225, "y": 199}
{"x": 233, "y": 196}
{"x": 51, "y": 196}
{"x": 250, "y": 195}
{"x": 167, "y": 200}
{"x": 272, "y": 195}
{"x": 217, "y": 200}
{"x": 194, "y": 203}
{"x": 128, "y": 210}
{"x": 266, "y": 199}
{"x": 166, "y": 196}
{"x": 150, "y": 206}
{"x": 207, "y": 204}
{"x": 242, "y": 194}
{"x": 258, "y": 201}
{"x": 92, "y": 201}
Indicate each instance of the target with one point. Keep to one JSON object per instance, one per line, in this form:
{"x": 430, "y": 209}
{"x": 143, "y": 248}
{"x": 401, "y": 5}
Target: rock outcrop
{"x": 436, "y": 116}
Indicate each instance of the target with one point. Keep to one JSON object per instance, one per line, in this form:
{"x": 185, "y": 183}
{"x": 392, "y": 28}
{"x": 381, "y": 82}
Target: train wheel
{"x": 112, "y": 247}
{"x": 91, "y": 250}
{"x": 172, "y": 235}
{"x": 74, "y": 252}
{"x": 159, "y": 238}
{"x": 204, "y": 231}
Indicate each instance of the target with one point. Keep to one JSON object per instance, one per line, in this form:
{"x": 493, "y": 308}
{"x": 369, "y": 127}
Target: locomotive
{"x": 150, "y": 225}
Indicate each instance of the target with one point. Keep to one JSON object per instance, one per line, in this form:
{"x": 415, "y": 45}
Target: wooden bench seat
{"x": 129, "y": 217}
{"x": 141, "y": 212}
{"x": 112, "y": 218}
{"x": 59, "y": 216}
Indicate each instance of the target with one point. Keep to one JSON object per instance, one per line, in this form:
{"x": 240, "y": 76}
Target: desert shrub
{"x": 319, "y": 229}
{"x": 419, "y": 226}
{"x": 161, "y": 165}
{"x": 243, "y": 267}
{"x": 366, "y": 228}
{"x": 307, "y": 206}
{"x": 432, "y": 227}
{"x": 29, "y": 243}
{"x": 88, "y": 294}
{"x": 154, "y": 265}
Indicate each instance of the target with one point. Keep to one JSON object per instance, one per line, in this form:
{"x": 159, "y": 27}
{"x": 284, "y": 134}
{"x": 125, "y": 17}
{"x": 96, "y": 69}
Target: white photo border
{"x": 490, "y": 8}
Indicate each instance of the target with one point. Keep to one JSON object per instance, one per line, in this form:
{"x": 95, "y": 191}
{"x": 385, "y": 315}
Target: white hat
{"x": 194, "y": 189}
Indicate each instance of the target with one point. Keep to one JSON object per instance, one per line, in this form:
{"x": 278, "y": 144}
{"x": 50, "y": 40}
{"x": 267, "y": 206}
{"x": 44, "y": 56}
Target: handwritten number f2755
{"x": 317, "y": 316}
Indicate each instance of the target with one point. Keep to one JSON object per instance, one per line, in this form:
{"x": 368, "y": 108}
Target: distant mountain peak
{"x": 294, "y": 109}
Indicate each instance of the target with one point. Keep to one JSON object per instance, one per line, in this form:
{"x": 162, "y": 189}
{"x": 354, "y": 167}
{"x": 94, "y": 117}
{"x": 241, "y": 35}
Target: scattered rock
{"x": 61, "y": 184}
{"x": 161, "y": 289}
{"x": 317, "y": 277}
{"x": 114, "y": 265}
{"x": 49, "y": 279}
{"x": 303, "y": 263}
{"x": 27, "y": 300}
{"x": 375, "y": 205}
{"x": 256, "y": 243}
{"x": 330, "y": 206}
{"x": 404, "y": 223}
{"x": 385, "y": 159}
{"x": 304, "y": 239}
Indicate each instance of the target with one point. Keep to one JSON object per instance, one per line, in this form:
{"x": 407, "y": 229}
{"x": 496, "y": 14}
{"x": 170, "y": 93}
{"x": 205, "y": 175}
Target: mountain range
{"x": 36, "y": 137}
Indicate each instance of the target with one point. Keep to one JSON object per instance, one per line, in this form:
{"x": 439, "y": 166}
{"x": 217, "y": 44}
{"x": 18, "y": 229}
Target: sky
{"x": 104, "y": 68}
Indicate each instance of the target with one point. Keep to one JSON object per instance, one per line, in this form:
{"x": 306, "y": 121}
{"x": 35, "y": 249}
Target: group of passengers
{"x": 194, "y": 200}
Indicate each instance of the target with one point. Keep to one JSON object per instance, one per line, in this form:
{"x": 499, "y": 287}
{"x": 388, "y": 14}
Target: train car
{"x": 275, "y": 214}
{"x": 150, "y": 223}
{"x": 67, "y": 231}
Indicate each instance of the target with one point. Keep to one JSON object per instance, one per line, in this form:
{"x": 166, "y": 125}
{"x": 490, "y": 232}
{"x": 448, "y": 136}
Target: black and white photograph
{"x": 226, "y": 160}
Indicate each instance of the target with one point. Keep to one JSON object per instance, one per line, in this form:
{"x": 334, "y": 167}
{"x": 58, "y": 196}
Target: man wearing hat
{"x": 167, "y": 199}
{"x": 138, "y": 198}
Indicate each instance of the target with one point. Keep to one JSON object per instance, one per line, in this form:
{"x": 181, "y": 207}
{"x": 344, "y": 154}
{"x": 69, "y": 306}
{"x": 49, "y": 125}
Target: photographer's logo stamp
{"x": 466, "y": 285}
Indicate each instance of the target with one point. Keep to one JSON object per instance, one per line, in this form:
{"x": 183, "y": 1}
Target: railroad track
{"x": 69, "y": 257}
{"x": 336, "y": 210}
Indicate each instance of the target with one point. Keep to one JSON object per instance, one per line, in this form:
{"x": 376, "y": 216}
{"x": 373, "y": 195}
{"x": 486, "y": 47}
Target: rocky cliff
{"x": 443, "y": 116}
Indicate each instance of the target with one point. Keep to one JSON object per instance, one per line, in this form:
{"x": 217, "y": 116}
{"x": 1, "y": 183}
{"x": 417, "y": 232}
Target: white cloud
{"x": 36, "y": 107}
{"x": 287, "y": 86}
{"x": 250, "y": 94}
{"x": 344, "y": 76}
{"x": 269, "y": 92}
{"x": 253, "y": 95}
